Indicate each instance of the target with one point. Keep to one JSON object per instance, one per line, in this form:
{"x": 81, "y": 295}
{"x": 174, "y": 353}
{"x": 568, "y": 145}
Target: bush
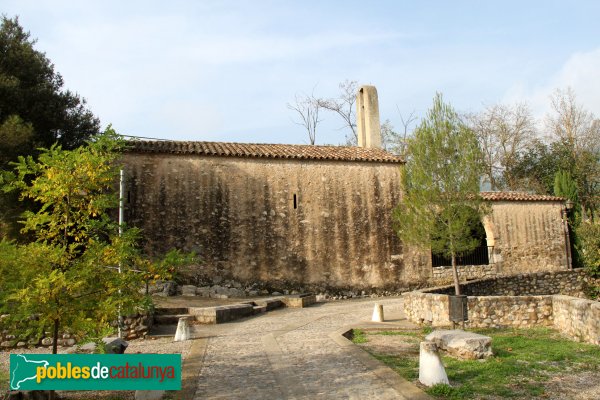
{"x": 588, "y": 235}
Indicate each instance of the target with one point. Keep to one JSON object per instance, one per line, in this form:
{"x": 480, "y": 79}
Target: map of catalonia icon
{"x": 24, "y": 368}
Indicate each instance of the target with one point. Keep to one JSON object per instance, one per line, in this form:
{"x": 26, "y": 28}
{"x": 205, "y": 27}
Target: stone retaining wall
{"x": 570, "y": 283}
{"x": 509, "y": 311}
{"x": 426, "y": 308}
{"x": 577, "y": 318}
{"x": 484, "y": 311}
{"x": 443, "y": 275}
{"x": 135, "y": 326}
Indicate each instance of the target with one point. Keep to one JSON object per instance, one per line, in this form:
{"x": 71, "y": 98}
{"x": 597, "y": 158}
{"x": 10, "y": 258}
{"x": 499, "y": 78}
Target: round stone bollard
{"x": 431, "y": 369}
{"x": 183, "y": 330}
{"x": 377, "y": 313}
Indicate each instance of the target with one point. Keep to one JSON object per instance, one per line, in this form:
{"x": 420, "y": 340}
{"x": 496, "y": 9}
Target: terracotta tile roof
{"x": 518, "y": 196}
{"x": 288, "y": 151}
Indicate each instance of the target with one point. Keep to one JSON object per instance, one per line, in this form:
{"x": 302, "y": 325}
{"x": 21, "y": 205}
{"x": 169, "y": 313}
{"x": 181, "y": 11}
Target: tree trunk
{"x": 55, "y": 337}
{"x": 455, "y": 275}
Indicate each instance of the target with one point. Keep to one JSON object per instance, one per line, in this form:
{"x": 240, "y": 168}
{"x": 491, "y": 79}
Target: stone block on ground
{"x": 221, "y": 314}
{"x": 188, "y": 290}
{"x": 299, "y": 300}
{"x": 461, "y": 344}
{"x": 114, "y": 345}
{"x": 270, "y": 303}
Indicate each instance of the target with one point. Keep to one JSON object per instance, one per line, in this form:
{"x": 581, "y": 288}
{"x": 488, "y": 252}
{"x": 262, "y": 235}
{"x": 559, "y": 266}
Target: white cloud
{"x": 580, "y": 72}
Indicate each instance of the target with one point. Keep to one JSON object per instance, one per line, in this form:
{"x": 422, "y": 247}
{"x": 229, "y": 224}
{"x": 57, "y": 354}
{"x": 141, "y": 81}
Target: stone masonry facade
{"x": 313, "y": 218}
{"x": 307, "y": 224}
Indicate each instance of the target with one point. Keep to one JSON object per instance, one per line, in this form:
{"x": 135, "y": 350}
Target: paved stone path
{"x": 297, "y": 354}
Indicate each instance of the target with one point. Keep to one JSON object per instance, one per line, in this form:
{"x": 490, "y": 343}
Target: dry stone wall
{"x": 426, "y": 308}
{"x": 134, "y": 326}
{"x": 572, "y": 283}
{"x": 443, "y": 275}
{"x": 509, "y": 311}
{"x": 576, "y": 317}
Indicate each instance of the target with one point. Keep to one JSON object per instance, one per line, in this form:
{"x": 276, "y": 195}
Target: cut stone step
{"x": 170, "y": 310}
{"x": 157, "y": 331}
{"x": 170, "y": 319}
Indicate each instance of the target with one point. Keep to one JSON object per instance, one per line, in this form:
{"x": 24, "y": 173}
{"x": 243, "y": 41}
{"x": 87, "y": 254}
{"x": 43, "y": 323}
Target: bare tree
{"x": 570, "y": 123}
{"x": 307, "y": 108}
{"x": 503, "y": 132}
{"x": 396, "y": 141}
{"x": 343, "y": 105}
{"x": 578, "y": 133}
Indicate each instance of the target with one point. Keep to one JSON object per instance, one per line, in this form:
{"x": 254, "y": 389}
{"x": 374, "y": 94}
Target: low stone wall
{"x": 137, "y": 326}
{"x": 134, "y": 327}
{"x": 570, "y": 283}
{"x": 484, "y": 311}
{"x": 577, "y": 318}
{"x": 426, "y": 308}
{"x": 509, "y": 311}
{"x": 443, "y": 275}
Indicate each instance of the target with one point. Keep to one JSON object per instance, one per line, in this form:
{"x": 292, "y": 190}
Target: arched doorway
{"x": 479, "y": 256}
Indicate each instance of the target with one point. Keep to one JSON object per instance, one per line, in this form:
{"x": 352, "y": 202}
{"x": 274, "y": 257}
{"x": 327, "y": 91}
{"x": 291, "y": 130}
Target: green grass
{"x": 358, "y": 336}
{"x": 523, "y": 361}
{"x": 3, "y": 381}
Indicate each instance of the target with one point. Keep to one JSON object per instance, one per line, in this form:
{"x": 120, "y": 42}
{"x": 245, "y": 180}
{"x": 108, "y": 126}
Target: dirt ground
{"x": 567, "y": 386}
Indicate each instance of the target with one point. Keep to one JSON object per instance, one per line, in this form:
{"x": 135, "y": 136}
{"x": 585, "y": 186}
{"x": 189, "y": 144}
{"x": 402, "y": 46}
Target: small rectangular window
{"x": 295, "y": 201}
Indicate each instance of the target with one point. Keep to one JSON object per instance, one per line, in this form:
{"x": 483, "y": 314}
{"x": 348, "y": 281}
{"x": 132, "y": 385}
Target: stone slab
{"x": 461, "y": 344}
{"x": 299, "y": 301}
{"x": 221, "y": 314}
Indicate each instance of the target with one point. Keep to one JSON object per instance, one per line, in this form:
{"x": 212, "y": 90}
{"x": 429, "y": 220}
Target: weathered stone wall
{"x": 570, "y": 283}
{"x": 443, "y": 275}
{"x": 313, "y": 224}
{"x": 509, "y": 311}
{"x": 577, "y": 318}
{"x": 483, "y": 311}
{"x": 427, "y": 308}
{"x": 527, "y": 236}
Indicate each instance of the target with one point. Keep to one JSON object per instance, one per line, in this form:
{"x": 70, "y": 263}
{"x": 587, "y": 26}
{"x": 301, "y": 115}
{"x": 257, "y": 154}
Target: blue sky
{"x": 224, "y": 70}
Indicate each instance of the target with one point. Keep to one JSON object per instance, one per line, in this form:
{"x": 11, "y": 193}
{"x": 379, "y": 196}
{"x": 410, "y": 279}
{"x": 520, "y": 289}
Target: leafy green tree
{"x": 565, "y": 186}
{"x": 33, "y": 92}
{"x": 35, "y": 110}
{"x": 441, "y": 183}
{"x": 69, "y": 275}
{"x": 535, "y": 168}
{"x": 589, "y": 247}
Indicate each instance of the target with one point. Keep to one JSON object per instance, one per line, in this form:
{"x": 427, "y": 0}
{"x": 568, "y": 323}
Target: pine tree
{"x": 441, "y": 183}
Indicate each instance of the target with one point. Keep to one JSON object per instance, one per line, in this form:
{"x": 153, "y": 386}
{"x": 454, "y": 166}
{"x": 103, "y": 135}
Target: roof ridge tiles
{"x": 258, "y": 150}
